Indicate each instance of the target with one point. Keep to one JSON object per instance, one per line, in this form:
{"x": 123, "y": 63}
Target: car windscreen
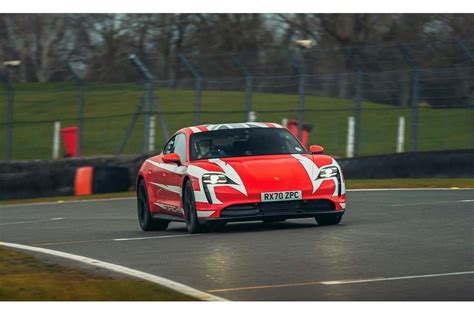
{"x": 243, "y": 142}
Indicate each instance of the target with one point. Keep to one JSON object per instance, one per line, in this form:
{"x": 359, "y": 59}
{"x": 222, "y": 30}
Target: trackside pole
{"x": 350, "y": 137}
{"x": 252, "y": 116}
{"x": 401, "y": 134}
{"x": 151, "y": 141}
{"x": 56, "y": 128}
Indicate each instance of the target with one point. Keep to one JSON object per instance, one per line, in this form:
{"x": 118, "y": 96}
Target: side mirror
{"x": 316, "y": 149}
{"x": 172, "y": 158}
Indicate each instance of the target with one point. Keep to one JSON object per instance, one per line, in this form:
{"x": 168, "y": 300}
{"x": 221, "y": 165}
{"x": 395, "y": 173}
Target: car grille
{"x": 278, "y": 207}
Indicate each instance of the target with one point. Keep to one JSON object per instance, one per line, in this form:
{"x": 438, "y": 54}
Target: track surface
{"x": 384, "y": 234}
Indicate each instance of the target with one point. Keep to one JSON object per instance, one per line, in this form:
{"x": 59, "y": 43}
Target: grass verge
{"x": 350, "y": 184}
{"x": 26, "y": 278}
{"x": 108, "y": 110}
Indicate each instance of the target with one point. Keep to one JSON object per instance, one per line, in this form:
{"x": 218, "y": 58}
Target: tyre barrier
{"x": 440, "y": 164}
{"x": 30, "y": 179}
{"x": 63, "y": 182}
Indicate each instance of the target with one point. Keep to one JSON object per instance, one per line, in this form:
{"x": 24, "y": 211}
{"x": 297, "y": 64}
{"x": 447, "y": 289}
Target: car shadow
{"x": 246, "y": 227}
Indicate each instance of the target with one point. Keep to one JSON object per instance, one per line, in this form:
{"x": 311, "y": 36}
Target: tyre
{"x": 192, "y": 223}
{"x": 330, "y": 219}
{"x": 145, "y": 220}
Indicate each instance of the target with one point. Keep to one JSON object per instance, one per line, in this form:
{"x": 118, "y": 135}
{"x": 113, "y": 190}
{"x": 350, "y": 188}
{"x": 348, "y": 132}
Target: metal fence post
{"x": 80, "y": 117}
{"x": 198, "y": 87}
{"x": 80, "y": 106}
{"x": 466, "y": 49}
{"x": 357, "y": 109}
{"x": 301, "y": 84}
{"x": 470, "y": 54}
{"x": 10, "y": 89}
{"x": 414, "y": 96}
{"x": 147, "y": 107}
{"x": 248, "y": 87}
{"x": 415, "y": 110}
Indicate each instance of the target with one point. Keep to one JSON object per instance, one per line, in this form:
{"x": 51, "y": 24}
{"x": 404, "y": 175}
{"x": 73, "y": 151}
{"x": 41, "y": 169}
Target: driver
{"x": 204, "y": 147}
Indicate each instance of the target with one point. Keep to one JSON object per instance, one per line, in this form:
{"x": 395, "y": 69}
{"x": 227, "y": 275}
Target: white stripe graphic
{"x": 204, "y": 214}
{"x": 311, "y": 169}
{"x": 195, "y": 129}
{"x": 175, "y": 209}
{"x": 124, "y": 270}
{"x": 169, "y": 167}
{"x": 230, "y": 172}
{"x": 175, "y": 189}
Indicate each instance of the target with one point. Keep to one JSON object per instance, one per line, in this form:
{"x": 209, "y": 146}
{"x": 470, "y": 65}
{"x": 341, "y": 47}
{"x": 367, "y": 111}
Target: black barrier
{"x": 440, "y": 164}
{"x": 29, "y": 179}
{"x": 31, "y": 184}
{"x": 110, "y": 179}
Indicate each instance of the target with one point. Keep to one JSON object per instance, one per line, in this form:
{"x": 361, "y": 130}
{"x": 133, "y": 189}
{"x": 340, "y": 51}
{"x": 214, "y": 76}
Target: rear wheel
{"x": 145, "y": 220}
{"x": 329, "y": 219}
{"x": 192, "y": 223}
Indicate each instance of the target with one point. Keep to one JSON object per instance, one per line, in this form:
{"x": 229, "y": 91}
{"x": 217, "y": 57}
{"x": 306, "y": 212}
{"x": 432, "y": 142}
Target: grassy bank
{"x": 108, "y": 109}
{"x": 26, "y": 278}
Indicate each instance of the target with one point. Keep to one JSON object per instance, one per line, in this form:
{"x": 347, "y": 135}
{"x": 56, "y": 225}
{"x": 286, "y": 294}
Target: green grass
{"x": 26, "y": 278}
{"x": 350, "y": 184}
{"x": 439, "y": 128}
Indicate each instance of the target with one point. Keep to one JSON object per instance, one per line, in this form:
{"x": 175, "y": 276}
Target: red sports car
{"x": 209, "y": 175}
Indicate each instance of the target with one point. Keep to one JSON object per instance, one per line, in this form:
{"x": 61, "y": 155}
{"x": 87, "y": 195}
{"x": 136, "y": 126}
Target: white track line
{"x": 398, "y": 278}
{"x": 60, "y": 202}
{"x": 342, "y": 281}
{"x": 184, "y": 289}
{"x": 430, "y": 203}
{"x": 116, "y": 239}
{"x": 153, "y": 237}
{"x": 32, "y": 221}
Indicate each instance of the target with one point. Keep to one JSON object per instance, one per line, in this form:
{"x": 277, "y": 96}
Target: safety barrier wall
{"x": 40, "y": 178}
{"x": 442, "y": 164}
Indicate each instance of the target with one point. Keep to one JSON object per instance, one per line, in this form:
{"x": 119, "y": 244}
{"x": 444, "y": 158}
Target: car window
{"x": 243, "y": 142}
{"x": 180, "y": 146}
{"x": 169, "y": 146}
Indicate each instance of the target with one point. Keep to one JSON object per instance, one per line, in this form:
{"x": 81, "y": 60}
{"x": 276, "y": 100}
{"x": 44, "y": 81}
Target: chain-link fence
{"x": 398, "y": 101}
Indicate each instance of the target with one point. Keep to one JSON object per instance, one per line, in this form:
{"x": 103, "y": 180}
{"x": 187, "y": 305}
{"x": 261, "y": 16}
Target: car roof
{"x": 212, "y": 127}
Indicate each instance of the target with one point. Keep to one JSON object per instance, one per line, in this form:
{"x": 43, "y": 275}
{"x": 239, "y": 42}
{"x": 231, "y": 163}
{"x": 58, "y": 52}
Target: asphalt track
{"x": 391, "y": 245}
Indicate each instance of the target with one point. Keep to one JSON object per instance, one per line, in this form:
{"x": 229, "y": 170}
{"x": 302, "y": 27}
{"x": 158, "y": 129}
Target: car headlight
{"x": 212, "y": 178}
{"x": 328, "y": 172}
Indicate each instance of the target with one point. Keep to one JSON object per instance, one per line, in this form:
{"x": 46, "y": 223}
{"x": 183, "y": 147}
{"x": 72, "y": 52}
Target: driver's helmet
{"x": 204, "y": 146}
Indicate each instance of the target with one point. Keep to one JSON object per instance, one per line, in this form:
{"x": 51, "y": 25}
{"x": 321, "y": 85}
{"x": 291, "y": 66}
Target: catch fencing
{"x": 359, "y": 100}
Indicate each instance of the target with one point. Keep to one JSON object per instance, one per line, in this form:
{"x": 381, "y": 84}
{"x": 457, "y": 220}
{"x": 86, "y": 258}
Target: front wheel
{"x": 329, "y": 219}
{"x": 192, "y": 223}
{"x": 145, "y": 220}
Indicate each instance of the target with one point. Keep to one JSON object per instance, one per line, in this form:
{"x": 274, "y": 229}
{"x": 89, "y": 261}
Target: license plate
{"x": 281, "y": 195}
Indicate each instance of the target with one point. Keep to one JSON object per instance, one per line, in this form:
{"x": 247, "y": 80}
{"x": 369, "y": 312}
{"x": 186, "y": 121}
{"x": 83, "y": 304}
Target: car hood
{"x": 268, "y": 172}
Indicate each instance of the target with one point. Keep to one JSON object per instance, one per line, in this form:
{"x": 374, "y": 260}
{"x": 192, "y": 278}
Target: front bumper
{"x": 277, "y": 210}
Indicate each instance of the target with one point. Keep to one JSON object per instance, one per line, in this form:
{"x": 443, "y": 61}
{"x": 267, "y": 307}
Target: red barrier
{"x": 292, "y": 126}
{"x": 70, "y": 141}
{"x": 83, "y": 181}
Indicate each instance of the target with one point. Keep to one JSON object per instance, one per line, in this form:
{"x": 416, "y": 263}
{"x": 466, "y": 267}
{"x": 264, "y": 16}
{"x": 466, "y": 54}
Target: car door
{"x": 174, "y": 177}
{"x": 157, "y": 180}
